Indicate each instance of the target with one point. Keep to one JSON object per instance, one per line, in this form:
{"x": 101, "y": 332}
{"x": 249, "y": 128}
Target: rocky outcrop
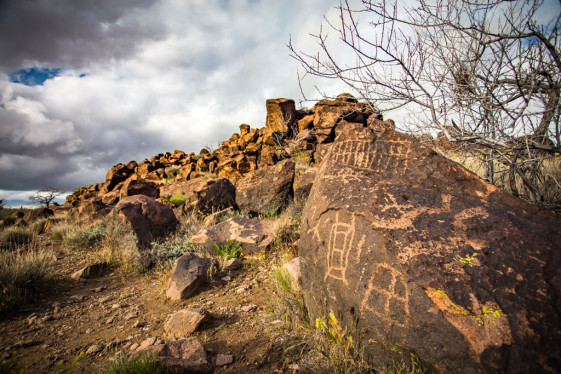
{"x": 429, "y": 258}
{"x": 139, "y": 187}
{"x": 304, "y": 186}
{"x": 267, "y": 189}
{"x": 148, "y": 218}
{"x": 281, "y": 115}
{"x": 254, "y": 235}
{"x": 188, "y": 273}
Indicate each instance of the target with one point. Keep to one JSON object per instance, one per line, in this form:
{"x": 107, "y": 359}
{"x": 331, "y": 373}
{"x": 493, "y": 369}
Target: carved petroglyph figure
{"x": 367, "y": 155}
{"x": 387, "y": 296}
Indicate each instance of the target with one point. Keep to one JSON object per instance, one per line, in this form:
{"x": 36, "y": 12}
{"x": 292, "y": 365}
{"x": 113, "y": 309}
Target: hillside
{"x": 324, "y": 242}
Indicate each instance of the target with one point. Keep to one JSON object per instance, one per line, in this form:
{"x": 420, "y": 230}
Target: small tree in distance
{"x": 46, "y": 195}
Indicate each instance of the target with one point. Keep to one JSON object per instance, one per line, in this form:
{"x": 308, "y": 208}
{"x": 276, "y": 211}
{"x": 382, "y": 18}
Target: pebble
{"x": 248, "y": 308}
{"x": 110, "y": 320}
{"x": 99, "y": 289}
{"x": 139, "y": 324}
{"x": 222, "y": 359}
{"x": 243, "y": 288}
{"x": 131, "y": 316}
{"x": 93, "y": 349}
{"x": 133, "y": 347}
{"x": 105, "y": 299}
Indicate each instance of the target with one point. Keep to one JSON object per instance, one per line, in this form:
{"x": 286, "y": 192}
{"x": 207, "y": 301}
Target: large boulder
{"x": 267, "y": 189}
{"x": 281, "y": 115}
{"x": 140, "y": 187}
{"x": 428, "y": 258}
{"x": 148, "y": 218}
{"x": 206, "y": 196}
{"x": 254, "y": 235}
{"x": 117, "y": 174}
{"x": 328, "y": 114}
{"x": 188, "y": 273}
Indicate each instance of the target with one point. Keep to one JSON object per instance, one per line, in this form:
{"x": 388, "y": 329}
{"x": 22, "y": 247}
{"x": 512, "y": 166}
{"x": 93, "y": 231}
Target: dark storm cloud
{"x": 72, "y": 33}
{"x": 137, "y": 78}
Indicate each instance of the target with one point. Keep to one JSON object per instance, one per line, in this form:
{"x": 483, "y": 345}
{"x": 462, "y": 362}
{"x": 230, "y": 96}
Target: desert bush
{"x": 177, "y": 200}
{"x": 12, "y": 237}
{"x": 38, "y": 226}
{"x": 64, "y": 229}
{"x": 20, "y": 273}
{"x": 144, "y": 363}
{"x": 9, "y": 219}
{"x": 120, "y": 246}
{"x": 168, "y": 251}
{"x": 84, "y": 238}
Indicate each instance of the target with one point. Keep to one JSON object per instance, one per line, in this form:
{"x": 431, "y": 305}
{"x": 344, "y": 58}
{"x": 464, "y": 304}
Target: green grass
{"x": 228, "y": 250}
{"x": 84, "y": 238}
{"x": 9, "y": 220}
{"x": 13, "y": 237}
{"x": 144, "y": 363}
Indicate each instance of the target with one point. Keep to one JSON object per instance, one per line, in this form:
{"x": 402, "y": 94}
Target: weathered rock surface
{"x": 148, "y": 218}
{"x": 281, "y": 114}
{"x": 292, "y": 267}
{"x": 267, "y": 189}
{"x": 184, "y": 322}
{"x": 254, "y": 235}
{"x": 429, "y": 258}
{"x": 183, "y": 356}
{"x": 304, "y": 186}
{"x": 188, "y": 273}
{"x": 204, "y": 196}
{"x": 140, "y": 187}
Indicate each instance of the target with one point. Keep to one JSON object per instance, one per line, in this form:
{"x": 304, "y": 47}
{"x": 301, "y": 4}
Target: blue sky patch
{"x": 33, "y": 76}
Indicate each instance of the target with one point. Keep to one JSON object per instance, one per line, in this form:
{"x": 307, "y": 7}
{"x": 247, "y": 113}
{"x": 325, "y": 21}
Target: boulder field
{"x": 411, "y": 250}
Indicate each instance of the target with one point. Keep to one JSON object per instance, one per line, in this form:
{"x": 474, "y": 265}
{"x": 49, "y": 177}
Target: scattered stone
{"x": 99, "y": 289}
{"x": 27, "y": 343}
{"x": 116, "y": 306}
{"x": 232, "y": 264}
{"x": 94, "y": 349}
{"x": 110, "y": 320}
{"x": 226, "y": 278}
{"x": 131, "y": 315}
{"x": 222, "y": 359}
{"x": 146, "y": 343}
{"x": 185, "y": 322}
{"x": 277, "y": 322}
{"x": 188, "y": 273}
{"x": 134, "y": 347}
{"x": 243, "y": 288}
{"x": 90, "y": 271}
{"x": 140, "y": 324}
{"x": 248, "y": 308}
{"x": 105, "y": 299}
{"x": 254, "y": 235}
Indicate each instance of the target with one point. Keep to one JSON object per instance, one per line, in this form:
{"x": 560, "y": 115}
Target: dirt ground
{"x": 118, "y": 310}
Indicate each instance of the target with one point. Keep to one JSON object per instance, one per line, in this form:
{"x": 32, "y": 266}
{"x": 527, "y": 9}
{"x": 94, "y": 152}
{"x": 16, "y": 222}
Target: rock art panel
{"x": 429, "y": 258}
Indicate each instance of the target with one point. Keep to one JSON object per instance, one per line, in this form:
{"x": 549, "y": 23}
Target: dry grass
{"x": 22, "y": 272}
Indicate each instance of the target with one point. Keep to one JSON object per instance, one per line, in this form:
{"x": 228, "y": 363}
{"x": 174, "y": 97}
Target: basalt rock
{"x": 148, "y": 218}
{"x": 140, "y": 187}
{"x": 204, "y": 196}
{"x": 429, "y": 258}
{"x": 188, "y": 273}
{"x": 267, "y": 189}
{"x": 281, "y": 115}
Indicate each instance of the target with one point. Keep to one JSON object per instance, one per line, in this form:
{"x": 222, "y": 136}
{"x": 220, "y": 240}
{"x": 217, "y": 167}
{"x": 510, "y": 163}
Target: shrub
{"x": 38, "y": 226}
{"x": 87, "y": 237}
{"x": 144, "y": 363}
{"x": 21, "y": 272}
{"x": 9, "y": 220}
{"x": 170, "y": 250}
{"x": 13, "y": 237}
{"x": 231, "y": 249}
{"x": 177, "y": 200}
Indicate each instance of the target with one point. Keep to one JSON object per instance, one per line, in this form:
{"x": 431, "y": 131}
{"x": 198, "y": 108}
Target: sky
{"x": 88, "y": 84}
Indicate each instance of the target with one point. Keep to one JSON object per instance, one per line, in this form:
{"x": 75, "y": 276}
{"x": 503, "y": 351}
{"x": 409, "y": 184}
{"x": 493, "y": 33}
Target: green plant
{"x": 228, "y": 250}
{"x": 61, "y": 368}
{"x": 468, "y": 260}
{"x": 144, "y": 363}
{"x": 87, "y": 237}
{"x": 13, "y": 237}
{"x": 334, "y": 331}
{"x": 9, "y": 220}
{"x": 171, "y": 249}
{"x": 177, "y": 200}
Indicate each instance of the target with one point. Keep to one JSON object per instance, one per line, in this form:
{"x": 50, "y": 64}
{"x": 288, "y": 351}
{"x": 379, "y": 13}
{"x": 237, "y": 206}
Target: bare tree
{"x": 486, "y": 75}
{"x": 46, "y": 195}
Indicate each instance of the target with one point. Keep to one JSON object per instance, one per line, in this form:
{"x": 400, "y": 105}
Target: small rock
{"x": 89, "y": 271}
{"x": 105, "y": 299}
{"x": 226, "y": 278}
{"x": 243, "y": 288}
{"x": 139, "y": 324}
{"x": 89, "y": 331}
{"x": 110, "y": 320}
{"x": 248, "y": 308}
{"x": 27, "y": 343}
{"x": 222, "y": 359}
{"x": 277, "y": 322}
{"x": 232, "y": 264}
{"x": 147, "y": 343}
{"x": 131, "y": 316}
{"x": 185, "y": 322}
{"x": 93, "y": 349}
{"x": 134, "y": 347}
{"x": 99, "y": 289}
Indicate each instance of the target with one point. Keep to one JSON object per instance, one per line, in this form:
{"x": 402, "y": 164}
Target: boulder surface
{"x": 429, "y": 258}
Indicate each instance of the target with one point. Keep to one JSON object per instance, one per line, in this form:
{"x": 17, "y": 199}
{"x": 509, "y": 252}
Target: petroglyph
{"x": 389, "y": 157}
{"x": 387, "y": 296}
{"x": 340, "y": 247}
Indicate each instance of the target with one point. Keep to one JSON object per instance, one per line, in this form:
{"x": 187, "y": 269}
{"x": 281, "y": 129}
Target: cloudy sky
{"x": 87, "y": 84}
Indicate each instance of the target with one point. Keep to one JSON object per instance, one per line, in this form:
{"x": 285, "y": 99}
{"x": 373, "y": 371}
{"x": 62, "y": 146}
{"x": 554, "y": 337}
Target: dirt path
{"x": 117, "y": 311}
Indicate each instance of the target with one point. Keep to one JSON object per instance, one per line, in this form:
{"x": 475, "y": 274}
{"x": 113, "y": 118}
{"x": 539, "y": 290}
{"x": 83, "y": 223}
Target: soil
{"x": 116, "y": 310}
